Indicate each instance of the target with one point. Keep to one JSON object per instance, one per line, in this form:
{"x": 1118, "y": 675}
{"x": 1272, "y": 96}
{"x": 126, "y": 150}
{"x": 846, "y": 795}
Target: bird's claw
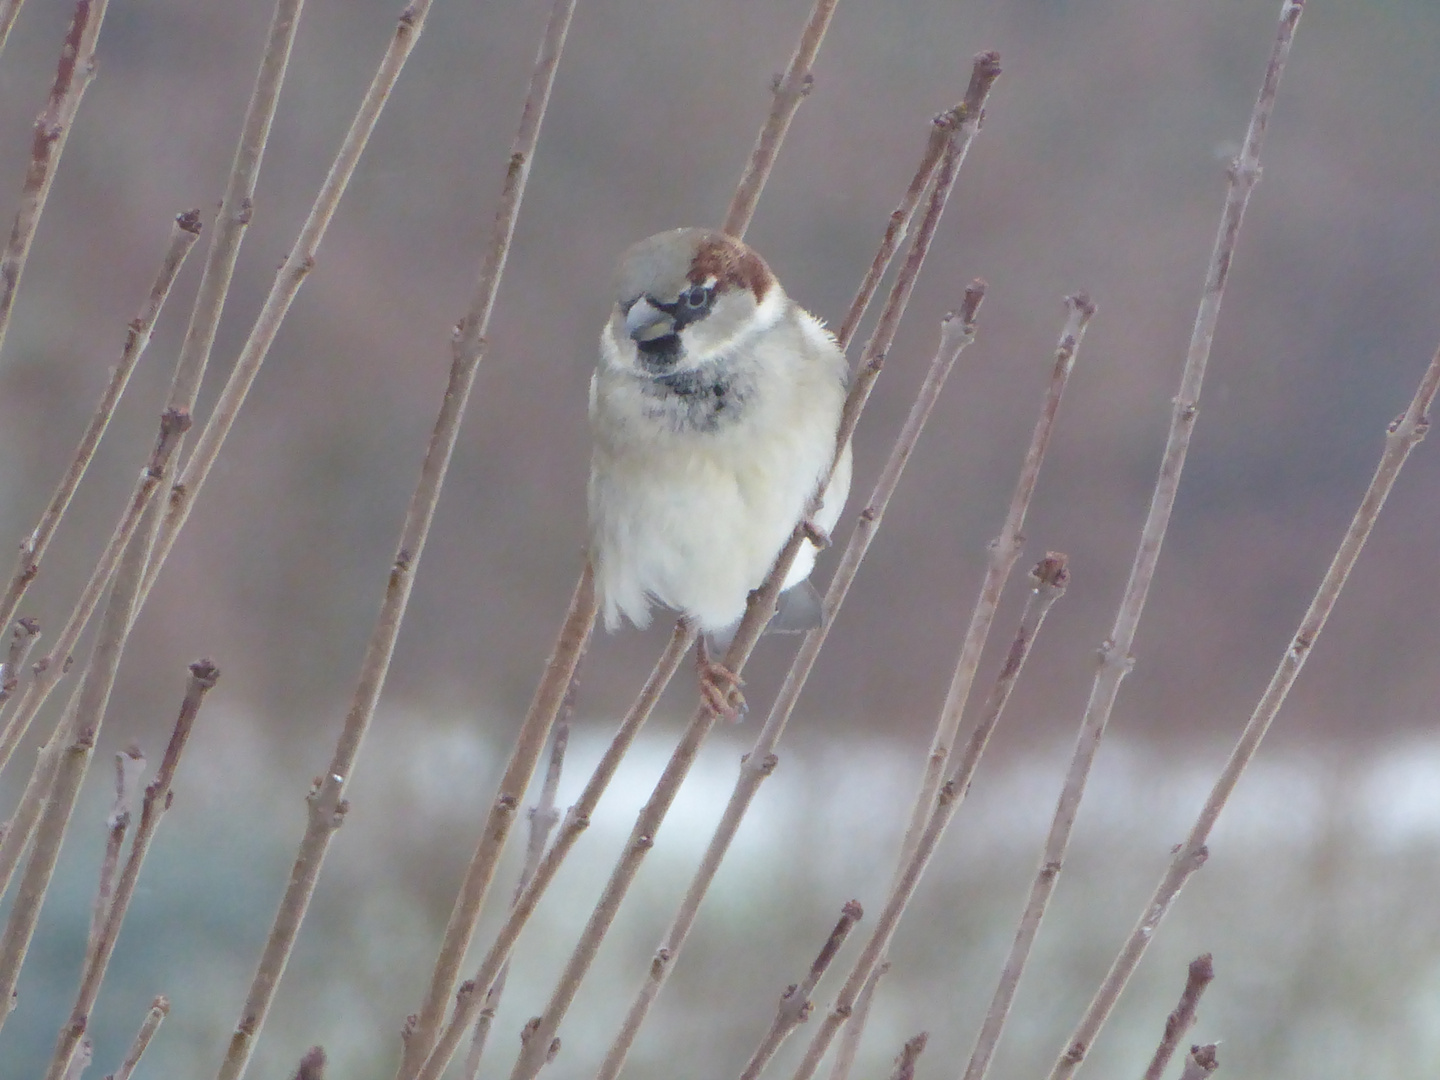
{"x": 719, "y": 686}
{"x": 815, "y": 534}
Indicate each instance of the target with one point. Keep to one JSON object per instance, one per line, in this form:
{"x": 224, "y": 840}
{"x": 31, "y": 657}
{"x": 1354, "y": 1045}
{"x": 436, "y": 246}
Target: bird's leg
{"x": 719, "y": 686}
{"x": 813, "y": 532}
{"x": 816, "y": 535}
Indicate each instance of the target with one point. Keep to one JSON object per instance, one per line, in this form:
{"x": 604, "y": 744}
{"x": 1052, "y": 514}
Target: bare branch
{"x": 80, "y": 1061}
{"x": 22, "y": 640}
{"x": 129, "y": 767}
{"x": 1200, "y": 1063}
{"x": 1003, "y": 553}
{"x": 1199, "y": 976}
{"x": 327, "y": 806}
{"x": 8, "y": 10}
{"x": 182, "y": 238}
{"x": 790, "y": 89}
{"x": 158, "y": 1010}
{"x": 577, "y": 820}
{"x": 203, "y": 676}
{"x": 83, "y": 714}
{"x": 312, "y": 1065}
{"x": 1401, "y": 437}
{"x": 1051, "y": 577}
{"x": 942, "y": 129}
{"x": 854, "y": 1031}
{"x": 52, "y": 128}
{"x": 69, "y": 772}
{"x": 795, "y": 1004}
{"x": 1115, "y": 658}
{"x": 909, "y": 1055}
{"x": 293, "y": 272}
{"x": 543, "y": 819}
{"x": 173, "y": 425}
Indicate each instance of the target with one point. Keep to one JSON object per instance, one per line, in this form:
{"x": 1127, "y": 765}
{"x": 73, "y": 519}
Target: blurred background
{"x": 1101, "y": 167}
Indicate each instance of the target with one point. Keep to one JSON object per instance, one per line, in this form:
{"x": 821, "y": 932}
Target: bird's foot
{"x": 719, "y": 686}
{"x": 815, "y": 534}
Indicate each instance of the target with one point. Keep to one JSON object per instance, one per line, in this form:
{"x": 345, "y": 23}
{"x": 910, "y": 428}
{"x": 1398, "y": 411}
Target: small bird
{"x": 714, "y": 411}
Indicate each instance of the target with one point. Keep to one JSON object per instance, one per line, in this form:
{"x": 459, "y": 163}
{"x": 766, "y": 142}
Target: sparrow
{"x": 714, "y": 411}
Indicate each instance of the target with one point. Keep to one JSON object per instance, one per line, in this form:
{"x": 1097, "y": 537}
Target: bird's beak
{"x": 644, "y": 322}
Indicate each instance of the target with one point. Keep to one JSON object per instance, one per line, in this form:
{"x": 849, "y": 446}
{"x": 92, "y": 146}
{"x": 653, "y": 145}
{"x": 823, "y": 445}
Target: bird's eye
{"x": 697, "y": 297}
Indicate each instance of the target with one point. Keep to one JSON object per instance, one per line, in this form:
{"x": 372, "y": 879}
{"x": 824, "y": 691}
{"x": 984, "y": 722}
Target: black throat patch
{"x": 697, "y": 400}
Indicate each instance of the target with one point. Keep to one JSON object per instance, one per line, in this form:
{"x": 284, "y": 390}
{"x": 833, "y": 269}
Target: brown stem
{"x": 85, "y": 711}
{"x": 1402, "y": 437}
{"x": 854, "y": 1031}
{"x": 909, "y": 1055}
{"x": 795, "y": 1004}
{"x": 159, "y": 1008}
{"x": 577, "y": 820}
{"x": 1200, "y": 1063}
{"x": 22, "y": 640}
{"x": 129, "y": 767}
{"x": 203, "y": 675}
{"x": 293, "y": 271}
{"x": 543, "y": 819}
{"x": 312, "y": 1065}
{"x": 8, "y": 10}
{"x": 328, "y": 804}
{"x": 1050, "y": 578}
{"x": 1199, "y": 976}
{"x": 182, "y": 238}
{"x": 72, "y": 75}
{"x": 1003, "y": 552}
{"x": 790, "y": 89}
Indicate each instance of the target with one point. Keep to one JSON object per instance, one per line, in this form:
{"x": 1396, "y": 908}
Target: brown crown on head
{"x": 732, "y": 264}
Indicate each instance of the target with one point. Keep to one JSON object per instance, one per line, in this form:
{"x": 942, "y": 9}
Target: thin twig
{"x": 327, "y": 803}
{"x": 1200, "y": 1062}
{"x": 203, "y": 675}
{"x": 87, "y": 705}
{"x": 1401, "y": 438}
{"x": 30, "y": 896}
{"x": 908, "y": 1056}
{"x": 158, "y": 1010}
{"x": 1115, "y": 659}
{"x": 79, "y": 1061}
{"x": 22, "y": 640}
{"x": 969, "y": 115}
{"x": 236, "y": 207}
{"x": 1004, "y": 550}
{"x": 182, "y": 238}
{"x": 543, "y": 819}
{"x": 312, "y": 1065}
{"x": 292, "y": 274}
{"x": 789, "y": 90}
{"x": 852, "y": 1033}
{"x": 941, "y": 129}
{"x": 72, "y": 75}
{"x": 577, "y": 820}
{"x": 795, "y": 1004}
{"x": 1050, "y": 577}
{"x": 129, "y": 767}
{"x": 57, "y": 662}
{"x": 957, "y": 331}
{"x": 1200, "y": 974}
{"x": 8, "y": 10}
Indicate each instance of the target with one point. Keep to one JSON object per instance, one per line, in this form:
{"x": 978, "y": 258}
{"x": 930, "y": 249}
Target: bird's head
{"x": 688, "y": 297}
